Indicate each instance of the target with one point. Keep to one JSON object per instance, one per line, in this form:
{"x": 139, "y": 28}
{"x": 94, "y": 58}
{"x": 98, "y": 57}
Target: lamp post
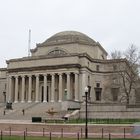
{"x": 86, "y": 117}
{"x": 4, "y": 94}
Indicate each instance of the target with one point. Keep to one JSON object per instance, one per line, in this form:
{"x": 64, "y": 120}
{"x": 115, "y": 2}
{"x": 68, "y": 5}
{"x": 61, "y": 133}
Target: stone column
{"x": 37, "y": 88}
{"x": 60, "y": 87}
{"x": 16, "y": 89}
{"x": 30, "y": 89}
{"x": 76, "y": 87}
{"x": 84, "y": 83}
{"x": 52, "y": 87}
{"x": 10, "y": 88}
{"x": 45, "y": 88}
{"x": 23, "y": 89}
{"x": 68, "y": 86}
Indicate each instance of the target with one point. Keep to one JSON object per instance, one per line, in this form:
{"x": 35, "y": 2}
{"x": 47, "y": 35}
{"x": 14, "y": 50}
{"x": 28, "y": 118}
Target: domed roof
{"x": 67, "y": 37}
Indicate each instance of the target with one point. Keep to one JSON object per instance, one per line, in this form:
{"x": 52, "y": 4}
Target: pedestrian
{"x": 23, "y": 111}
{"x": 4, "y": 112}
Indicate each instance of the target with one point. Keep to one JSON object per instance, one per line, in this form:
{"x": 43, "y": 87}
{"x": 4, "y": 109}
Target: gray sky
{"x": 114, "y": 23}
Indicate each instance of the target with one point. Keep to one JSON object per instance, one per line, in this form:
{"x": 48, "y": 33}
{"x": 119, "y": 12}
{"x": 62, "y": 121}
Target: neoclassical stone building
{"x": 59, "y": 69}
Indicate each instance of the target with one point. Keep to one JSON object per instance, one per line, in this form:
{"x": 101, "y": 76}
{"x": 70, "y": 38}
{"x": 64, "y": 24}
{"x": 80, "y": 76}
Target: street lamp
{"x": 86, "y": 117}
{"x": 4, "y": 94}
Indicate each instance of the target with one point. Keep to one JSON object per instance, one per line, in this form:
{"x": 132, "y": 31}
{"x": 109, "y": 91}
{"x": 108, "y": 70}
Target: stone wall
{"x": 2, "y": 85}
{"x": 110, "y": 111}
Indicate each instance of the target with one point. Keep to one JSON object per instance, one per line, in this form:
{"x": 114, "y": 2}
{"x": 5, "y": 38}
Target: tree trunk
{"x": 127, "y": 100}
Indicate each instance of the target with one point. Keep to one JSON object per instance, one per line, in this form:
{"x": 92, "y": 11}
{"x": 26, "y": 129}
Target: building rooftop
{"x": 68, "y": 37}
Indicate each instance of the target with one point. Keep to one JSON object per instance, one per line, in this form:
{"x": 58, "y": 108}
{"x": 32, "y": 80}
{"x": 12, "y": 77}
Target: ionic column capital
{"x": 68, "y": 73}
{"x": 29, "y": 75}
{"x": 22, "y": 76}
{"x": 10, "y": 76}
{"x": 52, "y": 74}
{"x": 45, "y": 74}
{"x": 16, "y": 76}
{"x": 36, "y": 75}
{"x": 76, "y": 73}
{"x": 60, "y": 74}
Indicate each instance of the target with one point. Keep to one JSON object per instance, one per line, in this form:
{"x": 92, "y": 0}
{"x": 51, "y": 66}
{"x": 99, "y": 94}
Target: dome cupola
{"x": 67, "y": 37}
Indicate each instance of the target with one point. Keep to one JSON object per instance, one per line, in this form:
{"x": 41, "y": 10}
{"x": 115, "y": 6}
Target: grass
{"x": 96, "y": 121}
{"x": 105, "y": 121}
{"x": 46, "y": 138}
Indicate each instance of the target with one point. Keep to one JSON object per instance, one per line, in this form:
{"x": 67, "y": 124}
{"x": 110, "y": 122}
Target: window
{"x": 88, "y": 64}
{"x": 114, "y": 92}
{"x": 98, "y": 92}
{"x": 114, "y": 67}
{"x": 98, "y": 85}
{"x": 57, "y": 52}
{"x": 97, "y": 67}
{"x": 98, "y": 95}
{"x": 102, "y": 56}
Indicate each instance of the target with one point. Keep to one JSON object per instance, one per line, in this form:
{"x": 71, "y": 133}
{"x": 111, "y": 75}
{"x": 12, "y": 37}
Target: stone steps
{"x": 32, "y": 110}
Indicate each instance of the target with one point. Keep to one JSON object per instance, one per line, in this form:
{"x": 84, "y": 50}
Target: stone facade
{"x": 59, "y": 69}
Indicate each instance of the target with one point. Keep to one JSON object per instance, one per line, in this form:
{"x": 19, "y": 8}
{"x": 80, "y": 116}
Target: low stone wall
{"x": 65, "y": 105}
{"x": 110, "y": 111}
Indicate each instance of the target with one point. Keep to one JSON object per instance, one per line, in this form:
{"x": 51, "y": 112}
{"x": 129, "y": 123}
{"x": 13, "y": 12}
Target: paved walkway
{"x": 16, "y": 121}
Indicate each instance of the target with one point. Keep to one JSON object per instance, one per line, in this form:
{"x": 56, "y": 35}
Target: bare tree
{"x": 127, "y": 70}
{"x": 116, "y": 55}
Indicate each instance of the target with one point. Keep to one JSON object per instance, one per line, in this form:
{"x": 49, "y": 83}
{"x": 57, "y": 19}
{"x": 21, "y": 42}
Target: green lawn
{"x": 105, "y": 121}
{"x": 45, "y": 138}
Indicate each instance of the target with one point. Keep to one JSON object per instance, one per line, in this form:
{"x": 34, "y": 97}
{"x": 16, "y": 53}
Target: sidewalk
{"x": 15, "y": 121}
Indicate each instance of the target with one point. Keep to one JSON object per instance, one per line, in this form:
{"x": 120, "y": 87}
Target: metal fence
{"x": 25, "y": 134}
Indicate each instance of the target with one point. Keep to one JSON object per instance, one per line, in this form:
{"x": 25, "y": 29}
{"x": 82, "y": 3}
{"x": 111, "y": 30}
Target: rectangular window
{"x": 98, "y": 95}
{"x": 98, "y": 92}
{"x": 114, "y": 92}
{"x": 98, "y": 85}
{"x": 114, "y": 67}
{"x": 97, "y": 67}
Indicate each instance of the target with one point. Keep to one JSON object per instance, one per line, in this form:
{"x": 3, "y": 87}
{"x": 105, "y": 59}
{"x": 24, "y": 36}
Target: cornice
{"x": 102, "y": 61}
{"x": 44, "y": 68}
{"x": 40, "y": 57}
{"x": 3, "y": 69}
{"x": 97, "y": 72}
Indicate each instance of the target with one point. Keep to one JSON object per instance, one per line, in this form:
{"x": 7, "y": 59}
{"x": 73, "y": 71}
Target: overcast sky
{"x": 114, "y": 23}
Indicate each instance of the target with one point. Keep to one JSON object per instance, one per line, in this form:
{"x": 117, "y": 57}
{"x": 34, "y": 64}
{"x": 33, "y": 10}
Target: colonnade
{"x": 47, "y": 87}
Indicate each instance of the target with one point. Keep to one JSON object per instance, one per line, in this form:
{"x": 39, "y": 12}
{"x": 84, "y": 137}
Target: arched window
{"x": 57, "y": 52}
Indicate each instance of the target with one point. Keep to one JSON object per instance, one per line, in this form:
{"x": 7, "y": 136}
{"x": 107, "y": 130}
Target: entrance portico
{"x": 43, "y": 87}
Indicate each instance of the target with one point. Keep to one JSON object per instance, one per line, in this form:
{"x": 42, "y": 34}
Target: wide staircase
{"x": 25, "y": 111}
